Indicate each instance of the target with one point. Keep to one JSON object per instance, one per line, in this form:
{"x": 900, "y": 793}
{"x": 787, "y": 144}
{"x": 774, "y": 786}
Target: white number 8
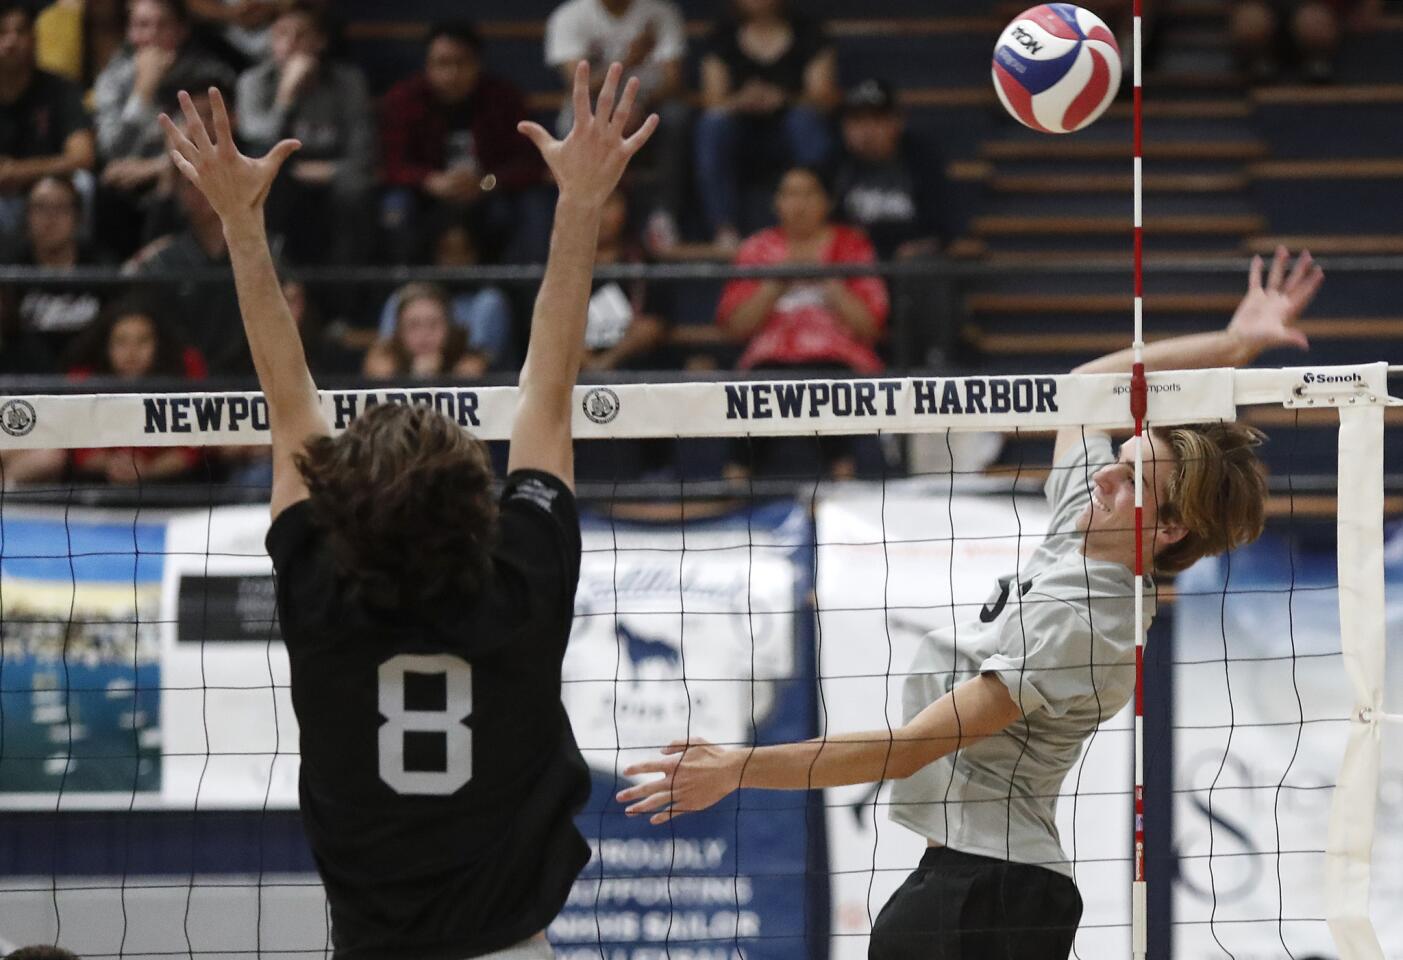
{"x": 448, "y": 722}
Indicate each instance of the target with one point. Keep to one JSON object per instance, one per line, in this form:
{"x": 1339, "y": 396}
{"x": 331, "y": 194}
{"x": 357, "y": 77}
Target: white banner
{"x": 890, "y": 568}
{"x": 756, "y": 407}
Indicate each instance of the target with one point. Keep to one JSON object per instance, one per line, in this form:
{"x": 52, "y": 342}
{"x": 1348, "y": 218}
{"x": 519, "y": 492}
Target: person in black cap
{"x": 886, "y": 181}
{"x": 890, "y": 184}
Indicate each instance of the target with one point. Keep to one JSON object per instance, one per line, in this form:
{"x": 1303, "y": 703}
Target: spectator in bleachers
{"x": 242, "y": 27}
{"x": 887, "y": 181}
{"x": 649, "y": 37}
{"x": 321, "y": 342}
{"x": 44, "y": 129}
{"x": 132, "y": 340}
{"x": 53, "y": 242}
{"x": 625, "y": 325}
{"x": 206, "y": 312}
{"x": 1309, "y": 30}
{"x": 320, "y": 203}
{"x": 769, "y": 80}
{"x": 449, "y": 144}
{"x": 808, "y": 323}
{"x": 484, "y": 315}
{"x": 159, "y": 57}
{"x": 425, "y": 342}
{"x": 75, "y": 39}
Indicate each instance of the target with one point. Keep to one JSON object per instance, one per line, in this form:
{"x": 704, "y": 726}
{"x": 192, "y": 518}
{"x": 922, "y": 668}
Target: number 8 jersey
{"x": 440, "y": 776}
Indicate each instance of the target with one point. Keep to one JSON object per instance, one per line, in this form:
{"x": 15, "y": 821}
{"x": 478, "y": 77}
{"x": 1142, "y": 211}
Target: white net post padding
{"x": 1362, "y": 641}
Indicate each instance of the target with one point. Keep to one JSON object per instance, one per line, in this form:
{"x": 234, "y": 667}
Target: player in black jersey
{"x": 425, "y": 622}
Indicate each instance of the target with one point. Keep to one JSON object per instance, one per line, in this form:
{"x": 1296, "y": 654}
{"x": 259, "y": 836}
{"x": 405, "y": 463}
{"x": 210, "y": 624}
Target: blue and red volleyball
{"x": 1056, "y": 67}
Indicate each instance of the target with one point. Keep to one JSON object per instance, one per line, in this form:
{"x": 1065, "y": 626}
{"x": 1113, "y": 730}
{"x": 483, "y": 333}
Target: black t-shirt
{"x": 786, "y": 71}
{"x": 440, "y": 776}
{"x": 893, "y": 202}
{"x": 38, "y": 123}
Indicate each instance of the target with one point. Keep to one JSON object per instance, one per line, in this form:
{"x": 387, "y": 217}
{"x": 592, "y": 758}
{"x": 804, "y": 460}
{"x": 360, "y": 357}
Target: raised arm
{"x": 587, "y": 165}
{"x": 236, "y": 187}
{"x": 697, "y": 774}
{"x": 1265, "y": 319}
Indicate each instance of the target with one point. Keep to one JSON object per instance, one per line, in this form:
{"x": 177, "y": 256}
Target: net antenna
{"x": 1139, "y": 925}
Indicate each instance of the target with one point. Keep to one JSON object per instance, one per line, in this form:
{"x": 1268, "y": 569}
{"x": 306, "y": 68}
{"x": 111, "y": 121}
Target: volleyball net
{"x": 148, "y": 748}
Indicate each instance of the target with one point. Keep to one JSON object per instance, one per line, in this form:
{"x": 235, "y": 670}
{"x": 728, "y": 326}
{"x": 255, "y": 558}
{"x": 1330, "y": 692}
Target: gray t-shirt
{"x": 1062, "y": 639}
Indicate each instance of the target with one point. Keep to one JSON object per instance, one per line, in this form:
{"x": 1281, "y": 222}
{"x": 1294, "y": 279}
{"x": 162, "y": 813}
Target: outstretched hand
{"x": 695, "y": 775}
{"x": 234, "y": 185}
{"x": 588, "y": 163}
{"x": 1266, "y": 317}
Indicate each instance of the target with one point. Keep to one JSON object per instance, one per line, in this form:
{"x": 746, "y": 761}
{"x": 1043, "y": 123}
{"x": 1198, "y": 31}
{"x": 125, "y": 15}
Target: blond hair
{"x": 1217, "y": 490}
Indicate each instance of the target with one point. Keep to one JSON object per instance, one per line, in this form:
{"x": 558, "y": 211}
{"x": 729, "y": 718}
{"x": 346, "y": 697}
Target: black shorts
{"x": 958, "y": 906}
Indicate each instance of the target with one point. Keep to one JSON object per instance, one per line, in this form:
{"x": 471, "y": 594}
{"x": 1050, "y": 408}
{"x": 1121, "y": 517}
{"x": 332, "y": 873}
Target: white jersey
{"x": 585, "y": 30}
{"x": 1062, "y": 639}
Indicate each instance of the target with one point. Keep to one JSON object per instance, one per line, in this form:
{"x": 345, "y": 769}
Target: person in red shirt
{"x": 449, "y": 146}
{"x": 818, "y": 323}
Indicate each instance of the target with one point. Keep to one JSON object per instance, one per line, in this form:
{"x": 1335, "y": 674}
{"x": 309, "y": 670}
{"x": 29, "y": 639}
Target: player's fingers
{"x": 536, "y": 134}
{"x": 1254, "y": 275}
{"x": 185, "y": 167}
{"x": 581, "y": 92}
{"x": 1299, "y": 271}
{"x": 604, "y": 109}
{"x": 640, "y": 790}
{"x": 1278, "y": 268}
{"x": 676, "y": 746}
{"x": 197, "y": 133}
{"x": 650, "y": 766}
{"x": 640, "y": 136}
{"x": 281, "y": 151}
{"x": 222, "y": 129}
{"x": 179, "y": 142}
{"x": 657, "y": 801}
{"x": 620, "y": 118}
{"x": 1308, "y": 288}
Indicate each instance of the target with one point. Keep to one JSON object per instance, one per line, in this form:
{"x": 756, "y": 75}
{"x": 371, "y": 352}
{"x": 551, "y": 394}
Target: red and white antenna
{"x": 1139, "y": 931}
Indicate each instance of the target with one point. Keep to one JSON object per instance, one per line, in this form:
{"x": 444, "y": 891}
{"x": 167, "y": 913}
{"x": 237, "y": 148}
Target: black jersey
{"x": 440, "y": 776}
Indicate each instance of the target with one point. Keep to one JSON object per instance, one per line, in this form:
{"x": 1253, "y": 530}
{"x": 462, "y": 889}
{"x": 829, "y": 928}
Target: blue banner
{"x": 704, "y": 630}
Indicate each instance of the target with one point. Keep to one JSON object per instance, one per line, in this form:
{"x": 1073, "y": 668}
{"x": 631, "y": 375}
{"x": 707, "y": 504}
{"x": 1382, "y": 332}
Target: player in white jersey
{"x": 997, "y": 709}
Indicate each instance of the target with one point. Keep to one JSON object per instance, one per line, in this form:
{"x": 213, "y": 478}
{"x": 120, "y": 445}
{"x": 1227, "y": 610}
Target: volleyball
{"x": 1056, "y": 67}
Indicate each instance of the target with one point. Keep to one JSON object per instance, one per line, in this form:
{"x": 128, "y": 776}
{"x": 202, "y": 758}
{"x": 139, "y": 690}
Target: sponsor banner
{"x": 1261, "y": 708}
{"x": 889, "y": 569}
{"x": 702, "y": 631}
{"x": 80, "y": 672}
{"x": 757, "y": 407}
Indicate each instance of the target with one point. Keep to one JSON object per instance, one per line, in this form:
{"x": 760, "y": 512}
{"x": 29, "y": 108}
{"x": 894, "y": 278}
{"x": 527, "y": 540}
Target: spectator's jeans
{"x": 798, "y": 136}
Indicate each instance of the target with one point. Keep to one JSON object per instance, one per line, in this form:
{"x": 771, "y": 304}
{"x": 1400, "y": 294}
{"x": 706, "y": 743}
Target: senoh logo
{"x": 17, "y": 417}
{"x": 1352, "y": 377}
{"x": 601, "y": 405}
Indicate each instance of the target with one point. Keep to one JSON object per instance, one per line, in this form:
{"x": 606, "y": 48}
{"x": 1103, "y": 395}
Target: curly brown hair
{"x": 1217, "y": 491}
{"x": 405, "y": 495}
